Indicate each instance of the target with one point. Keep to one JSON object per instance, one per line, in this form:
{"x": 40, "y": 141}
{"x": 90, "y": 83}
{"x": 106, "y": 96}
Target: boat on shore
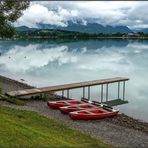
{"x": 76, "y": 107}
{"x": 58, "y": 104}
{"x": 94, "y": 113}
{"x": 67, "y": 109}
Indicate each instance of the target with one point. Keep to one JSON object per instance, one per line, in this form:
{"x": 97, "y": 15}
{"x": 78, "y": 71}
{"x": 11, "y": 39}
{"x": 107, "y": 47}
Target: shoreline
{"x": 108, "y": 132}
{"x": 120, "y": 131}
{"x": 8, "y": 84}
{"x": 77, "y": 38}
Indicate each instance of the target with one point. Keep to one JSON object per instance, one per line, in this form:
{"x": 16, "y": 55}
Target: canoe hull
{"x": 78, "y": 116}
{"x": 55, "y": 106}
{"x": 58, "y": 104}
{"x": 68, "y": 109}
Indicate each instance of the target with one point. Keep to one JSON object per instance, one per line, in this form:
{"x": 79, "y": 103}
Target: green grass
{"x": 29, "y": 129}
{"x": 12, "y": 100}
{"x": 15, "y": 101}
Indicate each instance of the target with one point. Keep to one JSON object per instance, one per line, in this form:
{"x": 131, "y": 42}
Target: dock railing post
{"x": 88, "y": 92}
{"x": 118, "y": 90}
{"x": 68, "y": 93}
{"x": 123, "y": 90}
{"x": 41, "y": 96}
{"x": 102, "y": 93}
{"x": 106, "y": 92}
{"x": 62, "y": 93}
{"x": 45, "y": 95}
{"x": 83, "y": 92}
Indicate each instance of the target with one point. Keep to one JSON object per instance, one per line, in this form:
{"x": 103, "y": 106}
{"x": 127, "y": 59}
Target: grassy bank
{"x": 29, "y": 129}
{"x": 12, "y": 100}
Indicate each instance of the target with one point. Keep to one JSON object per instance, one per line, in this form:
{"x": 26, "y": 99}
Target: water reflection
{"x": 43, "y": 63}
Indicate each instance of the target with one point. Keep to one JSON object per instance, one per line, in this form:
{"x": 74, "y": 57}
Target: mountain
{"x": 24, "y": 29}
{"x": 145, "y": 30}
{"x": 45, "y": 26}
{"x": 79, "y": 27}
{"x": 96, "y": 28}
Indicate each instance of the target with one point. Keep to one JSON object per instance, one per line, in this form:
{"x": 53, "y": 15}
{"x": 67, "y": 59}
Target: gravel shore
{"x": 109, "y": 132}
{"x": 121, "y": 131}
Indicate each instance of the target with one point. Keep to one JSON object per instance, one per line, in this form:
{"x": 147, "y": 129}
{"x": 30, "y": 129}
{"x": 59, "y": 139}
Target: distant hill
{"x": 25, "y": 28}
{"x": 96, "y": 28}
{"x": 79, "y": 27}
{"x": 145, "y": 30}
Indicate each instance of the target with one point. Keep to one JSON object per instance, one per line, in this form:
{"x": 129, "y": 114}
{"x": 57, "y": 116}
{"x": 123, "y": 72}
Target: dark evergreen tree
{"x": 10, "y": 11}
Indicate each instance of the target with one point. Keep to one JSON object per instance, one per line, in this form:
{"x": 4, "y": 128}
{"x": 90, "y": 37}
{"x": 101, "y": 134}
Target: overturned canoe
{"x": 58, "y": 104}
{"x": 93, "y": 114}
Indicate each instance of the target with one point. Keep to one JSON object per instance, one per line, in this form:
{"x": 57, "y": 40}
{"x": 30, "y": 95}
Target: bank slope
{"x": 29, "y": 129}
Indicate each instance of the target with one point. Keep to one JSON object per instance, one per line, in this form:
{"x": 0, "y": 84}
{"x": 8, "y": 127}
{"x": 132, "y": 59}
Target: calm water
{"x": 44, "y": 63}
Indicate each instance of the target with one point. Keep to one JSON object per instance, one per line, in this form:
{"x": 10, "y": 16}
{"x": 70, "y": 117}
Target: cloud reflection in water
{"x": 43, "y": 64}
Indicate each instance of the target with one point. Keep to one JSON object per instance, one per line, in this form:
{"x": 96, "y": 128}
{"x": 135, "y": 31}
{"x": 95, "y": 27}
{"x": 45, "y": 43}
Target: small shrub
{"x": 32, "y": 97}
{"x": 15, "y": 101}
{"x": 37, "y": 97}
{"x": 45, "y": 98}
{"x": 40, "y": 97}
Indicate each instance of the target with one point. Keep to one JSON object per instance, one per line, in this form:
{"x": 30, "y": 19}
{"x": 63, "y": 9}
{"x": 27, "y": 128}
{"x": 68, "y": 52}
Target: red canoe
{"x": 58, "y": 104}
{"x": 93, "y": 114}
{"x": 67, "y": 109}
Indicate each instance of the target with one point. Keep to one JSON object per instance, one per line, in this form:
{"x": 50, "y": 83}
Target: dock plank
{"x": 33, "y": 91}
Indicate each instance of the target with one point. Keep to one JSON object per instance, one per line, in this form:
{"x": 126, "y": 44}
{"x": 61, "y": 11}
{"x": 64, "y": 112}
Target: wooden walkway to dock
{"x": 34, "y": 91}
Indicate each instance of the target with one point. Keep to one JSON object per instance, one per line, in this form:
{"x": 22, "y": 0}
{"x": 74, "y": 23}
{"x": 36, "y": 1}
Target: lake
{"x": 45, "y": 63}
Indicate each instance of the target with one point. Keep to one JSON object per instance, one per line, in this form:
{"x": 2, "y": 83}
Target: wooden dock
{"x": 67, "y": 87}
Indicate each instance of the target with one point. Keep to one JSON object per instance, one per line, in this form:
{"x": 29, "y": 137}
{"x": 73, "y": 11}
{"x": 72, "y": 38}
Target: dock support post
{"x": 118, "y": 90}
{"x": 45, "y": 95}
{"x": 62, "y": 93}
{"x": 83, "y": 92}
{"x": 106, "y": 92}
{"x": 102, "y": 93}
{"x": 41, "y": 96}
{"x": 68, "y": 93}
{"x": 123, "y": 90}
{"x": 88, "y": 92}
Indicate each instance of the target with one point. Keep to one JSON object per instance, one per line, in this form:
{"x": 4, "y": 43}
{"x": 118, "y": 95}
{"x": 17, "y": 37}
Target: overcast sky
{"x": 133, "y": 14}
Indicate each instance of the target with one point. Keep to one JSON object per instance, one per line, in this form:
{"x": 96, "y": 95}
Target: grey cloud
{"x": 131, "y": 14}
